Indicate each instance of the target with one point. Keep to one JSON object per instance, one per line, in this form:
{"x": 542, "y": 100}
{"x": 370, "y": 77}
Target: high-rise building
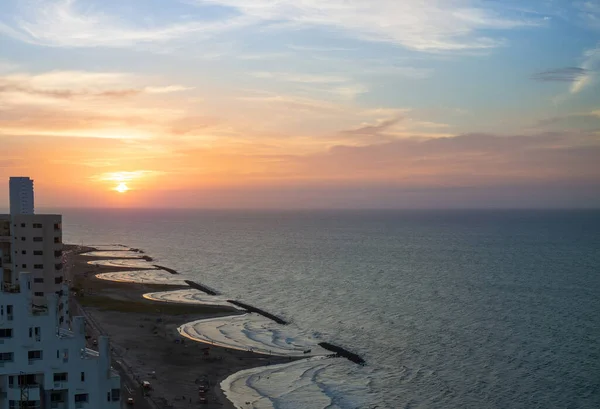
{"x": 44, "y": 362}
{"x": 32, "y": 242}
{"x": 21, "y": 195}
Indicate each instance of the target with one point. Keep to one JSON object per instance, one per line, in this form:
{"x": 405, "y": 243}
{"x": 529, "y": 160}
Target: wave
{"x": 188, "y": 296}
{"x": 132, "y": 263}
{"x": 110, "y": 247}
{"x": 318, "y": 382}
{"x": 253, "y": 332}
{"x": 143, "y": 277}
{"x": 114, "y": 254}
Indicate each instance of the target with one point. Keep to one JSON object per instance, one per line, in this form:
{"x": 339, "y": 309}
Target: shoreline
{"x": 144, "y": 338}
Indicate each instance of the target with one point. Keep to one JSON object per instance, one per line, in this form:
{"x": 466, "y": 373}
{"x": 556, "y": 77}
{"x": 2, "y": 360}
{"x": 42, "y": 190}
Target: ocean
{"x": 450, "y": 309}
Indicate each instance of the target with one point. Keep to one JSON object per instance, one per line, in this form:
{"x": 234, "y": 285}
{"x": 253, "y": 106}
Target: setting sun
{"x": 122, "y": 188}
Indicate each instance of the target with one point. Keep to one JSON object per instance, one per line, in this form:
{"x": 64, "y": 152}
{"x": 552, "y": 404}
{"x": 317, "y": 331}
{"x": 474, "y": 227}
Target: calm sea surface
{"x": 451, "y": 309}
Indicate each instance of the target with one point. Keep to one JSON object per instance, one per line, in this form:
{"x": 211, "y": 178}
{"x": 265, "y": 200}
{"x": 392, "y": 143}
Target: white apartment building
{"x": 32, "y": 242}
{"x": 44, "y": 366}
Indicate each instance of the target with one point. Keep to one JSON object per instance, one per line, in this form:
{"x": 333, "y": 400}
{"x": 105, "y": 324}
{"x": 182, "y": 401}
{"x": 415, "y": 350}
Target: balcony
{"x": 57, "y": 385}
{"x": 14, "y": 392}
{"x": 6, "y": 262}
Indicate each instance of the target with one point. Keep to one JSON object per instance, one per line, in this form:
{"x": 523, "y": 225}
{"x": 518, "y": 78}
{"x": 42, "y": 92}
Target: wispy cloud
{"x": 72, "y": 84}
{"x": 567, "y": 74}
{"x": 591, "y": 66}
{"x": 424, "y": 26}
{"x": 302, "y": 78}
{"x": 72, "y": 23}
{"x": 126, "y": 176}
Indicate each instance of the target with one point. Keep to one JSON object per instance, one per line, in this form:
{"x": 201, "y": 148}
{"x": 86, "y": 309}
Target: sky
{"x": 301, "y": 103}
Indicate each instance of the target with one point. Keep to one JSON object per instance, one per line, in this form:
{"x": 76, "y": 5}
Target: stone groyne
{"x": 341, "y": 352}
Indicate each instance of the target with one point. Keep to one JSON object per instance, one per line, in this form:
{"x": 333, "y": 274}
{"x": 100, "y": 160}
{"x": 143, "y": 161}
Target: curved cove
{"x": 143, "y": 277}
{"x": 253, "y": 332}
{"x": 188, "y": 296}
{"x": 315, "y": 382}
{"x": 129, "y": 263}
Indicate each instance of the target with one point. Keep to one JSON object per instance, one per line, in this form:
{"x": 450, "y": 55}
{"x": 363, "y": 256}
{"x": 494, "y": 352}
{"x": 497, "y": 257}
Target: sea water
{"x": 450, "y": 309}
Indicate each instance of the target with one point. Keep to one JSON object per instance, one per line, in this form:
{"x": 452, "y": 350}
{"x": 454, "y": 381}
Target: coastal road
{"x": 130, "y": 389}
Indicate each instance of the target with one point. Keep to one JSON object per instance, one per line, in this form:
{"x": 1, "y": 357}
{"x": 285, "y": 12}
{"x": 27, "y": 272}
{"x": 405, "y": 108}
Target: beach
{"x": 145, "y": 339}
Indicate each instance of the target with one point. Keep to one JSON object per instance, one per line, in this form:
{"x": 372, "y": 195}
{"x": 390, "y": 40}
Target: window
{"x": 58, "y": 266}
{"x": 33, "y": 355}
{"x": 58, "y": 280}
{"x": 39, "y": 294}
{"x": 83, "y": 377}
{"x": 60, "y": 377}
{"x": 6, "y": 332}
{"x": 23, "y": 239}
{"x": 37, "y": 225}
{"x": 24, "y": 265}
{"x": 23, "y": 251}
{"x": 116, "y": 394}
{"x": 38, "y": 239}
{"x": 57, "y": 240}
{"x": 58, "y": 253}
{"x": 81, "y": 397}
{"x": 38, "y": 334}
{"x": 6, "y": 357}
{"x": 9, "y": 312}
{"x": 38, "y": 266}
{"x": 57, "y": 226}
{"x": 11, "y": 381}
{"x": 38, "y": 253}
{"x": 38, "y": 280}
{"x": 22, "y": 224}
{"x": 56, "y": 397}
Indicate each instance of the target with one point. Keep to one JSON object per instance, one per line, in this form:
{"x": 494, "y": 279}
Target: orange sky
{"x": 221, "y": 112}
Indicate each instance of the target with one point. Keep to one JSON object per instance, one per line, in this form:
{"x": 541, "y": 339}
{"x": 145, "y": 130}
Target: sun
{"x": 122, "y": 188}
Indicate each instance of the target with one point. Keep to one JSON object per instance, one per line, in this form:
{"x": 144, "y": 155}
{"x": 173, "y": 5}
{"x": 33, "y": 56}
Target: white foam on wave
{"x": 143, "y": 277}
{"x": 131, "y": 263}
{"x": 308, "y": 383}
{"x": 114, "y": 254}
{"x": 253, "y": 332}
{"x": 188, "y": 296}
{"x": 109, "y": 247}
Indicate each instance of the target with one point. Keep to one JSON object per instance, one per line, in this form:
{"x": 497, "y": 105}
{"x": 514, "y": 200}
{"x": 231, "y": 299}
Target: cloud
{"x": 591, "y": 65}
{"x": 589, "y": 13}
{"x": 126, "y": 176}
{"x": 67, "y": 23}
{"x": 167, "y": 89}
{"x": 302, "y": 78}
{"x": 567, "y": 74}
{"x": 373, "y": 130}
{"x": 72, "y": 84}
{"x": 456, "y": 25}
{"x": 423, "y": 26}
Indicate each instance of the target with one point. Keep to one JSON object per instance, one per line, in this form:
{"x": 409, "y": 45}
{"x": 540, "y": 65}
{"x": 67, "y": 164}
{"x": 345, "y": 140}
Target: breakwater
{"x": 341, "y": 352}
{"x": 167, "y": 269}
{"x": 201, "y": 287}
{"x": 251, "y": 308}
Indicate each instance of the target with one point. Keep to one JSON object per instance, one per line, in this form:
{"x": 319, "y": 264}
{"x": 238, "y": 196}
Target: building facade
{"x": 21, "y": 195}
{"x": 44, "y": 362}
{"x": 45, "y": 366}
{"x": 32, "y": 242}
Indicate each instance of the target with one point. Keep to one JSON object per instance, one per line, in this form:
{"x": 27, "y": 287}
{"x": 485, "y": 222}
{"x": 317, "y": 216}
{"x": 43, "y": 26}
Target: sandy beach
{"x": 146, "y": 343}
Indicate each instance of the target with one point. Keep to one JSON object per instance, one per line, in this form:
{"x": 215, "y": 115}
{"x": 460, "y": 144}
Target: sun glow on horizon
{"x": 122, "y": 188}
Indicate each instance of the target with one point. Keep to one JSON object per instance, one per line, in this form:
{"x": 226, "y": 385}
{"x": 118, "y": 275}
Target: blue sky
{"x": 296, "y": 79}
